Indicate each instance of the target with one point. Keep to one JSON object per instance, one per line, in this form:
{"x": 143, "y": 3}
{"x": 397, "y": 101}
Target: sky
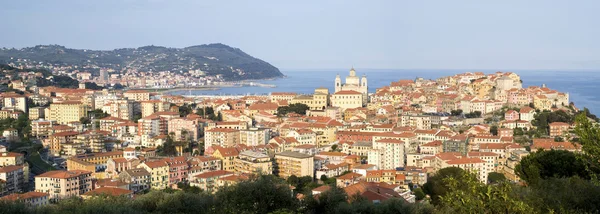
{"x": 322, "y": 34}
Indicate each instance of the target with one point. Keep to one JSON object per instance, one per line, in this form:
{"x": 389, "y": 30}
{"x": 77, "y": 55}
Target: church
{"x": 353, "y": 83}
{"x": 352, "y": 93}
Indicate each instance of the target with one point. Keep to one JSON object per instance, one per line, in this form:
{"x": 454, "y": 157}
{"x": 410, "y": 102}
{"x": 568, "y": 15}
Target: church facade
{"x": 353, "y": 85}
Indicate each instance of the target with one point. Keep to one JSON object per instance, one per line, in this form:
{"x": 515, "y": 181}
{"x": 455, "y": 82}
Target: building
{"x": 347, "y": 99}
{"x": 252, "y": 162}
{"x": 352, "y": 84}
{"x": 37, "y": 113}
{"x": 185, "y": 128}
{"x": 387, "y": 154}
{"x": 61, "y": 184}
{"x": 318, "y": 101}
{"x": 33, "y": 199}
{"x": 120, "y": 108}
{"x": 207, "y": 181}
{"x": 159, "y": 171}
{"x": 14, "y": 101}
{"x": 139, "y": 179}
{"x": 287, "y": 96}
{"x": 152, "y": 106}
{"x": 221, "y": 137}
{"x": 13, "y": 179}
{"x": 66, "y": 112}
{"x": 558, "y": 129}
{"x": 254, "y": 136}
{"x": 137, "y": 95}
{"x": 293, "y": 163}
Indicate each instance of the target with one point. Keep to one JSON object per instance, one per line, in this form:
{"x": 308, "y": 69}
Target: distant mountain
{"x": 214, "y": 59}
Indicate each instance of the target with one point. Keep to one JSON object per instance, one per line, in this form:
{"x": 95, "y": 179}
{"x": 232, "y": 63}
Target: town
{"x": 59, "y": 143}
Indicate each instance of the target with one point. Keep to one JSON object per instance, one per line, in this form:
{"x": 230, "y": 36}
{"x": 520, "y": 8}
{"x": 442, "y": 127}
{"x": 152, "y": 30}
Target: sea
{"x": 583, "y": 86}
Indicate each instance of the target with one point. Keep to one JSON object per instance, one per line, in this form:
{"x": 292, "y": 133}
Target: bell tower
{"x": 364, "y": 87}
{"x": 338, "y": 83}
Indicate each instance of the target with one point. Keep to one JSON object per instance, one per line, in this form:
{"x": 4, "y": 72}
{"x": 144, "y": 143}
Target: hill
{"x": 213, "y": 59}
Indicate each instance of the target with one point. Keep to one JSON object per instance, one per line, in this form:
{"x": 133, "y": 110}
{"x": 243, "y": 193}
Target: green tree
{"x": 467, "y": 195}
{"x": 456, "y": 112}
{"x": 435, "y": 184}
{"x": 419, "y": 194}
{"x": 496, "y": 177}
{"x": 494, "y": 130}
{"x": 554, "y": 163}
{"x": 589, "y": 138}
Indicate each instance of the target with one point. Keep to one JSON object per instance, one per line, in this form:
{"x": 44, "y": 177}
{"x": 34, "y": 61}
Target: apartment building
{"x": 61, "y": 184}
{"x": 251, "y": 162}
{"x": 293, "y": 163}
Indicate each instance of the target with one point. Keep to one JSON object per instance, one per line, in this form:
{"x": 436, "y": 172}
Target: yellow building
{"x": 251, "y": 162}
{"x": 66, "y": 112}
{"x": 287, "y": 96}
{"x": 91, "y": 162}
{"x": 11, "y": 158}
{"x": 159, "y": 171}
{"x": 62, "y": 184}
{"x": 227, "y": 157}
{"x": 347, "y": 99}
{"x": 152, "y": 106}
{"x": 137, "y": 95}
{"x": 294, "y": 163}
{"x": 36, "y": 113}
{"x": 318, "y": 101}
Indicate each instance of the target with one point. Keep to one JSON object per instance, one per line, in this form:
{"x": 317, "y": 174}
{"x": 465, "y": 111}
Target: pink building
{"x": 181, "y": 125}
{"x": 511, "y": 115}
{"x": 178, "y": 169}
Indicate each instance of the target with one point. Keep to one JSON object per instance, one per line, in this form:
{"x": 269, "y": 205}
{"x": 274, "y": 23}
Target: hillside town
{"x": 63, "y": 142}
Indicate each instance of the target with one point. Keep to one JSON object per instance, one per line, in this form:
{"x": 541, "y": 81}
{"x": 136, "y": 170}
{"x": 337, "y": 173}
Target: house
{"x": 558, "y": 129}
{"x": 137, "y": 178}
{"x": 33, "y": 199}
{"x": 511, "y": 115}
{"x": 159, "y": 171}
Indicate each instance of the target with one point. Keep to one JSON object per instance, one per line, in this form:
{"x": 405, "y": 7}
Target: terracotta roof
{"x": 433, "y": 143}
{"x": 64, "y": 134}
{"x": 156, "y": 164}
{"x": 24, "y": 196}
{"x": 348, "y": 92}
{"x": 61, "y": 174}
{"x": 10, "y": 168}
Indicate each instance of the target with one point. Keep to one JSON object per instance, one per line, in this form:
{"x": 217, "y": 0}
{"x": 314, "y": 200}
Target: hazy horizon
{"x": 462, "y": 34}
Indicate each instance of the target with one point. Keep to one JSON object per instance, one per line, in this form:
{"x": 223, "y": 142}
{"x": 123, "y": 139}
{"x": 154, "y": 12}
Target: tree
{"x": 419, "y": 194}
{"x": 297, "y": 108}
{"x": 494, "y": 130}
{"x": 93, "y": 86}
{"x": 495, "y": 177}
{"x": 467, "y": 195}
{"x": 589, "y": 138}
{"x": 553, "y": 163}
{"x": 98, "y": 114}
{"x": 334, "y": 147}
{"x": 260, "y": 194}
{"x": 324, "y": 178}
{"x": 558, "y": 139}
{"x": 219, "y": 117}
{"x": 435, "y": 184}
{"x": 456, "y": 112}
{"x": 518, "y": 132}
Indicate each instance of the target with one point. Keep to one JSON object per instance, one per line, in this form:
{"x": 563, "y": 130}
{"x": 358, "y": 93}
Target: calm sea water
{"x": 582, "y": 86}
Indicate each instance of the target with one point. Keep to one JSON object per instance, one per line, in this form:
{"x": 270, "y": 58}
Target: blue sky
{"x": 457, "y": 34}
